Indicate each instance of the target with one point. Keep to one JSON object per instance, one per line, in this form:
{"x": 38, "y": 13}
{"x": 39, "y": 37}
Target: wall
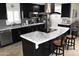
{"x": 74, "y": 10}
{"x": 78, "y": 12}
{"x": 2, "y": 23}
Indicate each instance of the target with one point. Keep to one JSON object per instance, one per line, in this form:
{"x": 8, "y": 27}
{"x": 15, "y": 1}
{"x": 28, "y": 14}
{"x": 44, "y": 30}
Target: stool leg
{"x": 71, "y": 43}
{"x": 74, "y": 44}
{"x": 56, "y": 51}
{"x": 59, "y": 49}
{"x": 68, "y": 44}
{"x": 63, "y": 50}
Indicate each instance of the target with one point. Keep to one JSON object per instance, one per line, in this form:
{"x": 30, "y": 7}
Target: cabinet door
{"x": 5, "y": 37}
{"x": 66, "y": 10}
{"x": 3, "y": 11}
{"x": 41, "y": 28}
{"x": 16, "y": 35}
{"x": 26, "y": 8}
{"x": 25, "y": 30}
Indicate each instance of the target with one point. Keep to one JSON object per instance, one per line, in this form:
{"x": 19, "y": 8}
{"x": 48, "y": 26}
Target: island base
{"x": 29, "y": 49}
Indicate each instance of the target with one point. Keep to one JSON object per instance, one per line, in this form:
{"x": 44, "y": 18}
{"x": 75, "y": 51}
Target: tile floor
{"x": 12, "y": 50}
{"x": 16, "y": 50}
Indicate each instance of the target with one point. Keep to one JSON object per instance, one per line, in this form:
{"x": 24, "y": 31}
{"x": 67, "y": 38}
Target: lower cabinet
{"x": 41, "y": 28}
{"x": 16, "y": 35}
{"x": 17, "y": 32}
{"x": 13, "y": 35}
{"x": 5, "y": 37}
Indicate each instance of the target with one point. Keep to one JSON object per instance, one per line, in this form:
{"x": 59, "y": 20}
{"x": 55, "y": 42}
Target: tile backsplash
{"x": 2, "y": 23}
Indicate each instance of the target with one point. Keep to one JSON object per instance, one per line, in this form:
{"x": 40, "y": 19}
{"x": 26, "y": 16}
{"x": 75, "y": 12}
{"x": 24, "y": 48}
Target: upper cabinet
{"x": 66, "y": 10}
{"x": 27, "y": 8}
{"x": 3, "y": 11}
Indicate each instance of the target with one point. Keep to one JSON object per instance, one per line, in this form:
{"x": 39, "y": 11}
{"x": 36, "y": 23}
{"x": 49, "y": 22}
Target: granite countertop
{"x": 38, "y": 37}
{"x": 7, "y": 27}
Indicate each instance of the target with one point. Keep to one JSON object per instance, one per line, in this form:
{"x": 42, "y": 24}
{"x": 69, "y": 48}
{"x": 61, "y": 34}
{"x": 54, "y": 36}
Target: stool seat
{"x": 57, "y": 42}
{"x": 58, "y": 46}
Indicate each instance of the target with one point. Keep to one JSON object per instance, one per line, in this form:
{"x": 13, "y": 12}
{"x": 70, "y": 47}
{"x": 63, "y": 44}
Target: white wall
{"x": 13, "y": 13}
{"x": 78, "y": 11}
{"x": 74, "y": 9}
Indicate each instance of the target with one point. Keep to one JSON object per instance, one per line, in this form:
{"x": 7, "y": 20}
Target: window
{"x": 13, "y": 13}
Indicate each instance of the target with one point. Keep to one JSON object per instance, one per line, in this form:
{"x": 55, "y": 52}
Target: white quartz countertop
{"x": 65, "y": 23}
{"x": 17, "y": 26}
{"x": 38, "y": 37}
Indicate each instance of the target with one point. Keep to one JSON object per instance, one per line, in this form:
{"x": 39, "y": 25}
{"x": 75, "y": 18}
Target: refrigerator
{"x": 55, "y": 19}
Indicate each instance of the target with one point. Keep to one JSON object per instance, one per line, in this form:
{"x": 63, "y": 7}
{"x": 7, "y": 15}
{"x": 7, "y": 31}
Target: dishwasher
{"x": 5, "y": 37}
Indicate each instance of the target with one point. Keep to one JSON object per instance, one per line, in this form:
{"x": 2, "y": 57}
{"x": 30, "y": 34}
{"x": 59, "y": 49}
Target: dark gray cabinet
{"x": 29, "y": 48}
{"x": 27, "y": 8}
{"x": 3, "y": 11}
{"x": 18, "y": 31}
{"x": 5, "y": 37}
{"x": 66, "y": 10}
{"x": 12, "y": 36}
{"x": 16, "y": 35}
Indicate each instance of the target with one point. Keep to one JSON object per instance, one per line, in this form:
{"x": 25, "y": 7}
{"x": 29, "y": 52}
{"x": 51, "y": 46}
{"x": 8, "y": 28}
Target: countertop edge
{"x": 20, "y": 26}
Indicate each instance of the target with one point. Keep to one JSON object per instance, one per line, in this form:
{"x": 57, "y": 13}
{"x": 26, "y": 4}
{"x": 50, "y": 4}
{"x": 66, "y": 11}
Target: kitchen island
{"x": 37, "y": 43}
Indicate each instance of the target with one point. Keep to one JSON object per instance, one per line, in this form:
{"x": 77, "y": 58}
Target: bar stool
{"x": 58, "y": 46}
{"x": 70, "y": 39}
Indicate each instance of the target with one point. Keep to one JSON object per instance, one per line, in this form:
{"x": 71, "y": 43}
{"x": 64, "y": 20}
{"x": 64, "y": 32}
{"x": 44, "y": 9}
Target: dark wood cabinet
{"x": 3, "y": 11}
{"x": 5, "y": 38}
{"x": 29, "y": 49}
{"x": 16, "y": 35}
{"x": 41, "y": 28}
{"x": 66, "y": 10}
{"x": 18, "y": 31}
{"x": 28, "y": 8}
